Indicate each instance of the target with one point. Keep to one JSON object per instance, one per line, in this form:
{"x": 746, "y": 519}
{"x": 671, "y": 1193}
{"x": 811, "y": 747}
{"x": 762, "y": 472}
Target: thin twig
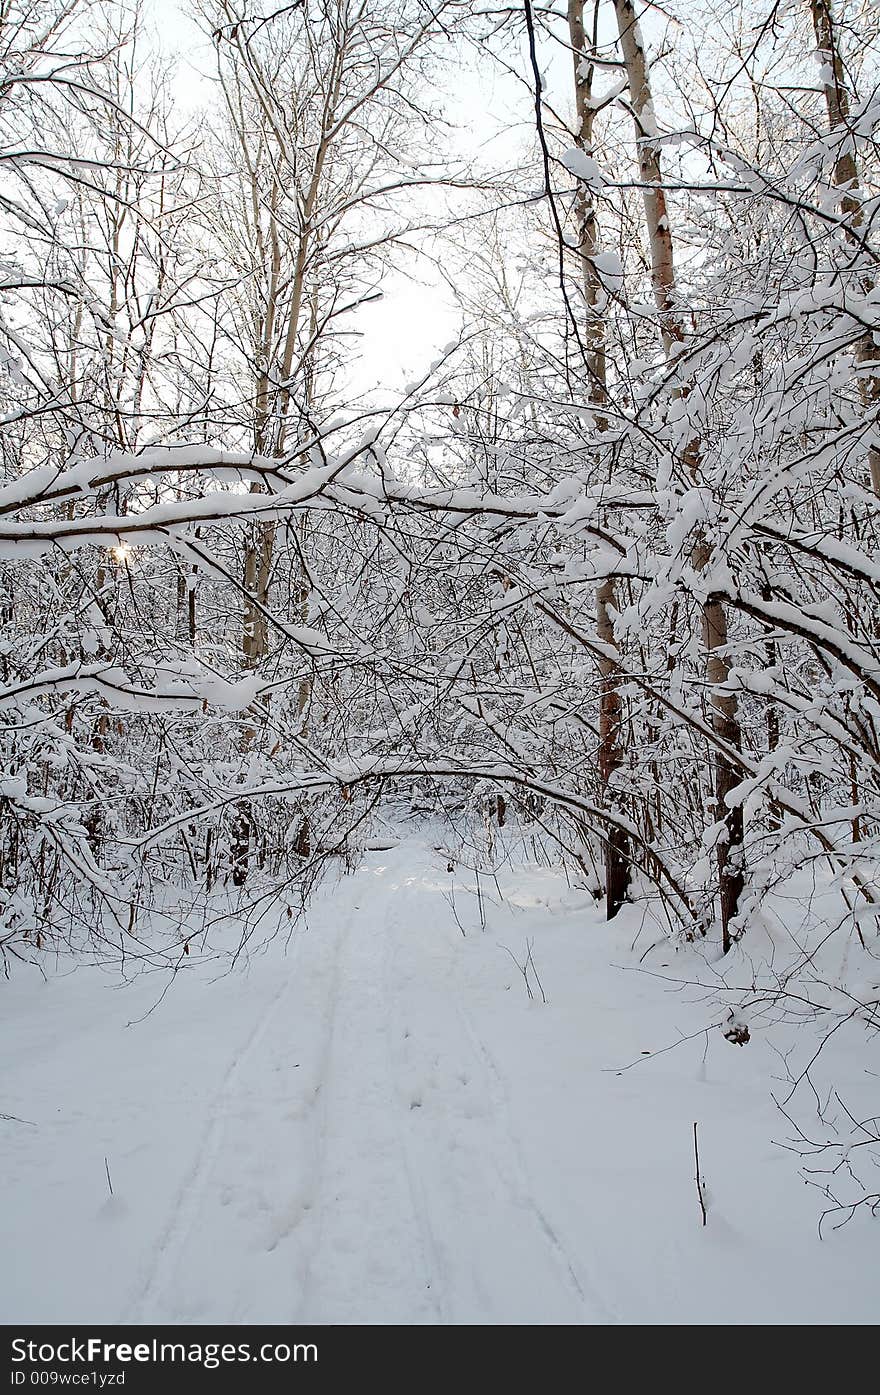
{"x": 699, "y": 1179}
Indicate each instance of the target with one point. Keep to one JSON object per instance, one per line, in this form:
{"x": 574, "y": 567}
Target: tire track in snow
{"x": 180, "y": 1240}
{"x": 189, "y": 1196}
{"x": 592, "y": 1295}
{"x": 467, "y": 1118}
{"x": 369, "y": 1259}
{"x": 319, "y": 1103}
{"x": 433, "y": 1267}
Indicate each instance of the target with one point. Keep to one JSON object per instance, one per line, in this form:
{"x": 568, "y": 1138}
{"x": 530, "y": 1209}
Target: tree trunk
{"x": 650, "y": 172}
{"x": 724, "y": 714}
{"x": 617, "y": 851}
{"x": 846, "y": 179}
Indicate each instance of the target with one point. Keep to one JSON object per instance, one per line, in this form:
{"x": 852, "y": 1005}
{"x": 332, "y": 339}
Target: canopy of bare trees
{"x": 608, "y": 566}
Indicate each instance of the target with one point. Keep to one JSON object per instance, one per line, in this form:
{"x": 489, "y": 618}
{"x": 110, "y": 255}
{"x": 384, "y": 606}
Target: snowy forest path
{"x": 370, "y": 1119}
{"x": 357, "y": 1162}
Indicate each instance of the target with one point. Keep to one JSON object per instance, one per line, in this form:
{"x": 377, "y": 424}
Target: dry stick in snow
{"x": 698, "y": 1178}
{"x": 724, "y": 714}
{"x": 528, "y": 963}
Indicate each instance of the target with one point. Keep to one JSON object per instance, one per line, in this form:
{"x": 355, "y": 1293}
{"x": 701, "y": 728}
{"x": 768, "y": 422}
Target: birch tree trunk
{"x": 271, "y": 424}
{"x": 617, "y": 851}
{"x": 724, "y": 713}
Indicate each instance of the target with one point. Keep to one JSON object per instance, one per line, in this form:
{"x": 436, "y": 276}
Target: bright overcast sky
{"x": 404, "y": 332}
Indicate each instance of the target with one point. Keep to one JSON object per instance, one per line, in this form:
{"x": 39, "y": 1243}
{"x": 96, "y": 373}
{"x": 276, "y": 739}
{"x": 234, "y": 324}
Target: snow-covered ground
{"x": 376, "y": 1124}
